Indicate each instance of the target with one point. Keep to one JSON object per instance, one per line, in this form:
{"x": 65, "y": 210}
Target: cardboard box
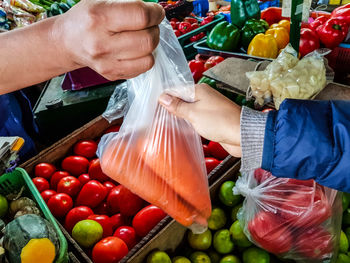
{"x": 93, "y": 130}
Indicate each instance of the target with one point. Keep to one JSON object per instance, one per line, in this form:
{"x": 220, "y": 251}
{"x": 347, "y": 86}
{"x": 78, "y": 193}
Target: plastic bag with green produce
{"x": 155, "y": 154}
{"x": 293, "y": 219}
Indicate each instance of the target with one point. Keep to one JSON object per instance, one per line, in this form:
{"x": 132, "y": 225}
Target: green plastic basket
{"x": 13, "y": 182}
{"x": 188, "y": 47}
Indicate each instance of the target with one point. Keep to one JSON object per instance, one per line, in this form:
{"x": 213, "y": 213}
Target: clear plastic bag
{"x": 155, "y": 154}
{"x": 294, "y": 219}
{"x": 289, "y": 77}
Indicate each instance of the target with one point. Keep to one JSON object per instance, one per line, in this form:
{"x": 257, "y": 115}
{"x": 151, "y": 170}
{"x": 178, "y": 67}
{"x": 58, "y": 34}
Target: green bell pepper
{"x": 224, "y": 36}
{"x": 242, "y": 10}
{"x": 209, "y": 81}
{"x": 251, "y": 28}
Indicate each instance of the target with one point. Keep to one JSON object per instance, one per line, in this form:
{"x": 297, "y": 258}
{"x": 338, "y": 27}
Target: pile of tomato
{"x": 79, "y": 190}
{"x": 214, "y": 154}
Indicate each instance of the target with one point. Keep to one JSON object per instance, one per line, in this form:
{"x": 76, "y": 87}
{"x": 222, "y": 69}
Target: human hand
{"x": 212, "y": 115}
{"x": 115, "y": 38}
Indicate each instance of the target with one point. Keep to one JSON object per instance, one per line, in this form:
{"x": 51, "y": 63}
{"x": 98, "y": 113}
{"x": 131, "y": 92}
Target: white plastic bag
{"x": 155, "y": 154}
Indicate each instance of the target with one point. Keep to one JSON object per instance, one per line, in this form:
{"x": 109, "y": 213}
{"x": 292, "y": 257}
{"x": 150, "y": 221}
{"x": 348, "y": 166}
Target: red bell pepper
{"x": 197, "y": 69}
{"x": 333, "y": 32}
{"x": 197, "y": 37}
{"x": 272, "y": 15}
{"x": 185, "y": 27}
{"x": 342, "y": 12}
{"x": 207, "y": 20}
{"x": 318, "y": 21}
{"x": 308, "y": 41}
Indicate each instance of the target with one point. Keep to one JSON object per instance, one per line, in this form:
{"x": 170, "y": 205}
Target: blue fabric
{"x": 310, "y": 140}
{"x": 16, "y": 119}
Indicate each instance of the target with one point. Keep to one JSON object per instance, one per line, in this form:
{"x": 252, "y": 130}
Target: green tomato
{"x": 238, "y": 235}
{"x": 343, "y": 243}
{"x": 217, "y": 219}
{"x": 255, "y": 255}
{"x": 226, "y": 195}
{"x": 199, "y": 257}
{"x": 200, "y": 241}
{"x": 222, "y": 241}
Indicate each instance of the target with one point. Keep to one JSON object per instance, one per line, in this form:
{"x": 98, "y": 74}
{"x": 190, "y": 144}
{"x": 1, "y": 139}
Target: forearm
{"x": 31, "y": 55}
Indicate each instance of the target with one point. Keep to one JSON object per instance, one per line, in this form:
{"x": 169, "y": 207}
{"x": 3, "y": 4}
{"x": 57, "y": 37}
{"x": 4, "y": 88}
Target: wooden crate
{"x": 92, "y": 130}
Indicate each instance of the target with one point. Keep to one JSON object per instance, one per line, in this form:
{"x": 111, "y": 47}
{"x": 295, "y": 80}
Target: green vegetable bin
{"x": 12, "y": 183}
{"x": 187, "y": 46}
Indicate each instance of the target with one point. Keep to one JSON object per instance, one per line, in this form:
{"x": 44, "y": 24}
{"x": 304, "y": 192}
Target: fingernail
{"x": 165, "y": 99}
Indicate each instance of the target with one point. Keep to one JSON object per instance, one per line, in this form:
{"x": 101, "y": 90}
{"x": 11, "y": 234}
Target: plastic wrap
{"x": 294, "y": 219}
{"x": 289, "y": 77}
{"x": 155, "y": 154}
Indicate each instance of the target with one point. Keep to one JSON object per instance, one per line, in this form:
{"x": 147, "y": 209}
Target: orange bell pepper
{"x": 283, "y": 23}
{"x": 263, "y": 46}
{"x": 280, "y": 34}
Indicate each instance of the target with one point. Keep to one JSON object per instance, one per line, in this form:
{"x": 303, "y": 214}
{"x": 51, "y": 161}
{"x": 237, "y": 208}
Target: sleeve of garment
{"x": 309, "y": 140}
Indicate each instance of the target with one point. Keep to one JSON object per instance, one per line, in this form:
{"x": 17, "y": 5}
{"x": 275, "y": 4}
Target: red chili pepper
{"x": 333, "y": 32}
{"x": 207, "y": 20}
{"x": 308, "y": 41}
{"x": 194, "y": 26}
{"x": 197, "y": 69}
{"x": 319, "y": 21}
{"x": 342, "y": 12}
{"x": 197, "y": 37}
{"x": 177, "y": 32}
{"x": 185, "y": 27}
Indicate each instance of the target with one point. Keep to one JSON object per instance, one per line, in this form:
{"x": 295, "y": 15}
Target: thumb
{"x": 174, "y": 105}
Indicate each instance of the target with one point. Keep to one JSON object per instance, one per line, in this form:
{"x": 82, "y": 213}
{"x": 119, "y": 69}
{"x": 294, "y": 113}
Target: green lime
{"x": 87, "y": 232}
{"x": 199, "y": 257}
{"x": 343, "y": 258}
{"x": 3, "y": 205}
{"x": 222, "y": 241}
{"x": 346, "y": 201}
{"x": 230, "y": 259}
{"x": 238, "y": 235}
{"x": 226, "y": 195}
{"x": 180, "y": 260}
{"x": 158, "y": 257}
{"x": 217, "y": 219}
{"x": 255, "y": 255}
{"x": 343, "y": 243}
{"x": 214, "y": 256}
{"x": 234, "y": 212}
{"x": 200, "y": 241}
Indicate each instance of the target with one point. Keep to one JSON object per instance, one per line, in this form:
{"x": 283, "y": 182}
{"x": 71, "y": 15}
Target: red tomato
{"x": 56, "y": 177}
{"x": 306, "y": 208}
{"x": 213, "y": 61}
{"x": 211, "y": 163}
{"x": 75, "y": 215}
{"x": 185, "y": 27}
{"x": 84, "y": 178}
{"x": 109, "y": 250}
{"x": 109, "y": 185}
{"x": 76, "y": 165}
{"x": 177, "y": 33}
{"x": 197, "y": 69}
{"x": 206, "y": 150}
{"x": 47, "y": 194}
{"x": 92, "y": 194}
{"x": 190, "y": 20}
{"x": 86, "y": 148}
{"x": 69, "y": 185}
{"x": 201, "y": 58}
{"x": 307, "y": 183}
{"x": 314, "y": 243}
{"x": 114, "y": 128}
{"x": 146, "y": 219}
{"x": 117, "y": 220}
{"x": 101, "y": 209}
{"x": 270, "y": 232}
{"x": 217, "y": 150}
{"x": 60, "y": 204}
{"x": 95, "y": 171}
{"x": 41, "y": 184}
{"x": 44, "y": 170}
{"x": 105, "y": 222}
{"x": 122, "y": 199}
{"x": 127, "y": 234}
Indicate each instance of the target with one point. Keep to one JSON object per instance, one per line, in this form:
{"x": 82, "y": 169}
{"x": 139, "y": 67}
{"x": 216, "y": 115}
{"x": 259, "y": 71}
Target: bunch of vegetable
{"x": 223, "y": 242}
{"x": 99, "y": 213}
{"x": 329, "y": 32}
{"x": 189, "y": 24}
